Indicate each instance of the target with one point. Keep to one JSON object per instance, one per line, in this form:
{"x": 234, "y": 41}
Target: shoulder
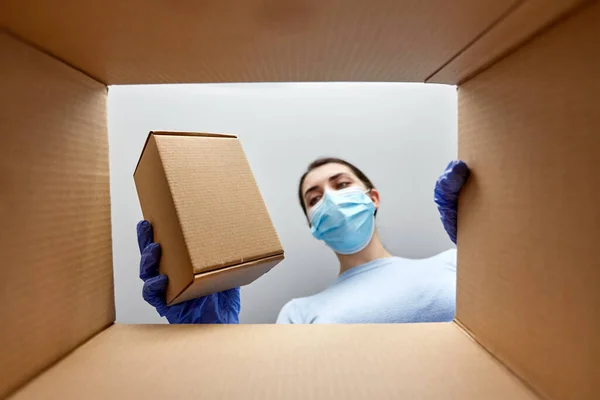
{"x": 447, "y": 258}
{"x": 289, "y": 313}
{"x": 295, "y": 311}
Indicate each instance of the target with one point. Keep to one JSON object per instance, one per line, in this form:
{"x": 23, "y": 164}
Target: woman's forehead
{"x": 320, "y": 175}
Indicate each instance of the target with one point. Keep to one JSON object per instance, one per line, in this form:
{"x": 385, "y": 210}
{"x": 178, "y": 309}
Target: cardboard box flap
{"x": 529, "y": 221}
{"x": 414, "y": 361}
{"x": 55, "y": 247}
{"x": 526, "y": 19}
{"x": 142, "y": 42}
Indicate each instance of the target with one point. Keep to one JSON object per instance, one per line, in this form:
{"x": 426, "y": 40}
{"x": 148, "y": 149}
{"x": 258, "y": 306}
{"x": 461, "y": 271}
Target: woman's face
{"x": 331, "y": 176}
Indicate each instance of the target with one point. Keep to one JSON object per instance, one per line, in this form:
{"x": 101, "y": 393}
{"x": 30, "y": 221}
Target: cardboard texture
{"x": 227, "y": 278}
{"x": 528, "y": 126}
{"x": 200, "y": 195}
{"x": 527, "y": 18}
{"x": 139, "y": 41}
{"x": 529, "y": 221}
{"x": 424, "y": 361}
{"x": 56, "y": 289}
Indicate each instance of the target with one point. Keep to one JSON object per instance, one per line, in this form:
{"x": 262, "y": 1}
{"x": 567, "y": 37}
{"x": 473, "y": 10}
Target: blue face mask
{"x": 344, "y": 220}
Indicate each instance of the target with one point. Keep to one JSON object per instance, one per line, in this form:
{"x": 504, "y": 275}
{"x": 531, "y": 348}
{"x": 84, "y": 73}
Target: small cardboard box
{"x": 199, "y": 193}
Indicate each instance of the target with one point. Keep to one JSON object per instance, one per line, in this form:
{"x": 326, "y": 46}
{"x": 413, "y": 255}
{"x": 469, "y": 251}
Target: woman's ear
{"x": 374, "y": 195}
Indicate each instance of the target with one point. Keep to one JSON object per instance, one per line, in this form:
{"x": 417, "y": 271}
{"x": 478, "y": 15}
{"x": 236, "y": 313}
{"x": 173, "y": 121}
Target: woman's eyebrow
{"x": 339, "y": 175}
{"x": 331, "y": 179}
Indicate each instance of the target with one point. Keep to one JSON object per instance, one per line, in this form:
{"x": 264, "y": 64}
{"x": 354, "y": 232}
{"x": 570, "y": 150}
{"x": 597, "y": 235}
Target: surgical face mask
{"x": 344, "y": 220}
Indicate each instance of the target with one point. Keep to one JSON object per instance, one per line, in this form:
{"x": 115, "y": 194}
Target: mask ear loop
{"x": 367, "y": 192}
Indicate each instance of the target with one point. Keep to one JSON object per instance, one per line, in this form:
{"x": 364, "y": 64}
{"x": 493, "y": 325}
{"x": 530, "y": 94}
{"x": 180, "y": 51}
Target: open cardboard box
{"x": 528, "y": 304}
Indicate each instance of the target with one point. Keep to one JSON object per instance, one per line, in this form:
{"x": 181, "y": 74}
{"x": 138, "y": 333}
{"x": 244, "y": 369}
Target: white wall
{"x": 401, "y": 135}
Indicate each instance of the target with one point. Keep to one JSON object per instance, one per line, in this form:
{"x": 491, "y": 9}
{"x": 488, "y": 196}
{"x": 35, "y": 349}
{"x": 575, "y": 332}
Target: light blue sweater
{"x": 388, "y": 290}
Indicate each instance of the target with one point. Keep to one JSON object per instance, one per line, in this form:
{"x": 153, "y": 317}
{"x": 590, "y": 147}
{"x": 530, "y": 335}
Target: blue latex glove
{"x": 217, "y": 308}
{"x": 446, "y": 192}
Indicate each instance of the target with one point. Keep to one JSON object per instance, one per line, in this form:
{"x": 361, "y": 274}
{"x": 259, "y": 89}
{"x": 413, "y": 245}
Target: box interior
{"x": 301, "y": 41}
{"x": 527, "y": 305}
{"x": 529, "y": 225}
{"x": 57, "y": 289}
{"x": 426, "y": 361}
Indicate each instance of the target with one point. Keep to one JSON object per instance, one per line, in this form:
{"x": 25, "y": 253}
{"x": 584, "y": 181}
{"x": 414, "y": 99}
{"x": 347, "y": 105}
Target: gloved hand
{"x": 217, "y": 308}
{"x": 446, "y": 192}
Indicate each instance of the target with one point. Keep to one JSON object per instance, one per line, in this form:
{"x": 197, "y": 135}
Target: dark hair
{"x": 331, "y": 160}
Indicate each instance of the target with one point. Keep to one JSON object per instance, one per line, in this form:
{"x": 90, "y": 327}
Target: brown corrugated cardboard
{"x": 527, "y": 18}
{"x": 56, "y": 282}
{"x": 208, "y": 215}
{"x": 226, "y": 278}
{"x": 140, "y": 41}
{"x": 421, "y": 361}
{"x": 528, "y": 275}
{"x": 529, "y": 225}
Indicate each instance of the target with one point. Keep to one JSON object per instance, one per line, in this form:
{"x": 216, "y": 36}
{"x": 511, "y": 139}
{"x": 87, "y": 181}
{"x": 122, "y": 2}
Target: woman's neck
{"x": 373, "y": 251}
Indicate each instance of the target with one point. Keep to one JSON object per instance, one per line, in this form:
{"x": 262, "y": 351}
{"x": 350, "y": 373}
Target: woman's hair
{"x": 331, "y": 160}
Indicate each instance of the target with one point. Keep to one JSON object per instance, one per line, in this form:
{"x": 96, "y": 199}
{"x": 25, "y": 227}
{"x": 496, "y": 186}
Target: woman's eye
{"x": 314, "y": 201}
{"x": 343, "y": 185}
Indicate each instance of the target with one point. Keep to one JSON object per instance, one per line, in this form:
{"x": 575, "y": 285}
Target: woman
{"x": 340, "y": 203}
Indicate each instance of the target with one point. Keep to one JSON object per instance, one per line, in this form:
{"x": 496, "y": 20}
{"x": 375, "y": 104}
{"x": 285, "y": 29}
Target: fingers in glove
{"x": 459, "y": 168}
{"x": 230, "y": 306}
{"x": 450, "y": 182}
{"x": 450, "y": 225}
{"x": 231, "y": 298}
{"x": 154, "y": 291}
{"x": 150, "y": 261}
{"x": 454, "y": 177}
{"x": 145, "y": 234}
